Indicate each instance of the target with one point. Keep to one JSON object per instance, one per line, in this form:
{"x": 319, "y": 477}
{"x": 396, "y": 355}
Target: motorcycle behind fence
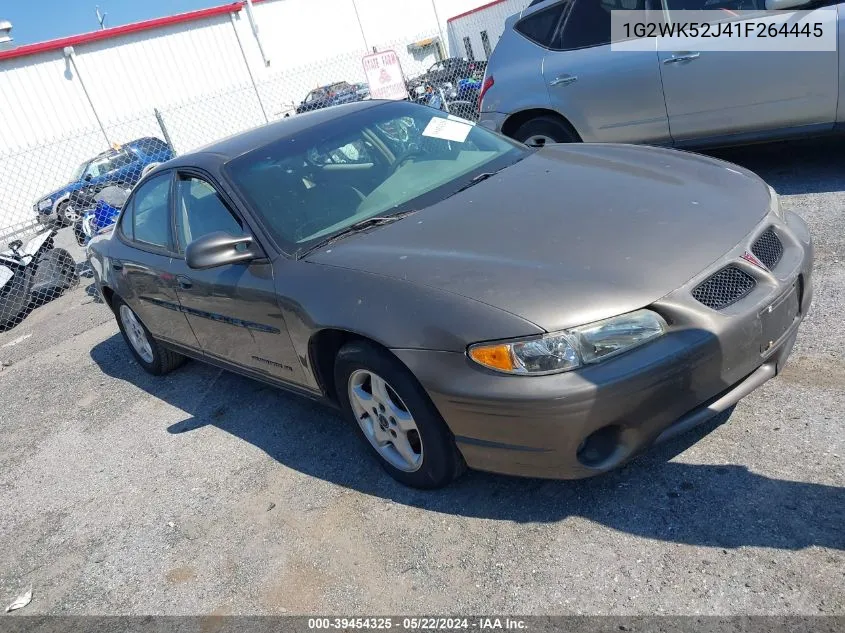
{"x": 31, "y": 272}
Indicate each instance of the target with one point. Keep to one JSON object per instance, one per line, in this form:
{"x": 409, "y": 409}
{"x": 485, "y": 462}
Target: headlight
{"x": 45, "y": 204}
{"x": 774, "y": 205}
{"x": 573, "y": 348}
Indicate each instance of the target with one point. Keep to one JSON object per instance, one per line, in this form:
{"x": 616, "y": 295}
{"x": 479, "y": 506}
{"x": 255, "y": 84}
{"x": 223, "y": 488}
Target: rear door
{"x": 711, "y": 93}
{"x": 141, "y": 262}
{"x": 232, "y": 309}
{"x": 608, "y": 96}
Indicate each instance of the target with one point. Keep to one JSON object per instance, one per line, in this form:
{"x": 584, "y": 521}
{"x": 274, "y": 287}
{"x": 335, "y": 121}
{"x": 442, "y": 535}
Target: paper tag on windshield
{"x": 447, "y": 129}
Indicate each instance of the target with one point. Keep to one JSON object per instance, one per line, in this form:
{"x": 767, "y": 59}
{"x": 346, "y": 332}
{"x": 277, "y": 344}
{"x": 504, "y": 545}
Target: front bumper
{"x": 582, "y": 423}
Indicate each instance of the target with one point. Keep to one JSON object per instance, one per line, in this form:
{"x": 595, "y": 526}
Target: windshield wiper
{"x": 358, "y": 227}
{"x": 477, "y": 179}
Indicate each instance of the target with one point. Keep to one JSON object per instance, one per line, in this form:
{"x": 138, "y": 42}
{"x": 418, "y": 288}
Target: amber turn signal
{"x": 493, "y": 356}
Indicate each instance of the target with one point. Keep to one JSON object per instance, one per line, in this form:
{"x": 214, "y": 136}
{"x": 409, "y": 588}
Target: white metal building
{"x": 203, "y": 75}
{"x": 475, "y": 33}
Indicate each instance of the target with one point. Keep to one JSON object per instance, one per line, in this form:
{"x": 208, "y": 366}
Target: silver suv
{"x": 554, "y": 78}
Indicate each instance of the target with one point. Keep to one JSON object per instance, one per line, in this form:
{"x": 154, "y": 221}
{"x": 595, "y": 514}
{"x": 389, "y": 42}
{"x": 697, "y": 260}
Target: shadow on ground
{"x": 710, "y": 505}
{"x": 794, "y": 167}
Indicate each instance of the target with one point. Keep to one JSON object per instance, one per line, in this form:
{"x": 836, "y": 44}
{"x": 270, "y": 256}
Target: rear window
{"x": 589, "y": 23}
{"x": 540, "y": 27}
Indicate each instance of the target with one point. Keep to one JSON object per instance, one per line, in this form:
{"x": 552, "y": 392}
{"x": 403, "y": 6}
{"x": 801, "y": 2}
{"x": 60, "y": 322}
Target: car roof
{"x": 239, "y": 144}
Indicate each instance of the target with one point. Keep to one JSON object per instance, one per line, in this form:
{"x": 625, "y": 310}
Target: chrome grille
{"x": 768, "y": 248}
{"x": 727, "y": 286}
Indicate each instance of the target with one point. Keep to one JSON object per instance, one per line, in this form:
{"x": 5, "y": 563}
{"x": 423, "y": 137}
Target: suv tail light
{"x": 488, "y": 83}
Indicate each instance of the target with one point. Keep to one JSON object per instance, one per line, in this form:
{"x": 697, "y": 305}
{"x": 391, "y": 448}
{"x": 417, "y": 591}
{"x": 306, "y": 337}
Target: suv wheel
{"x": 395, "y": 417}
{"x": 544, "y": 130}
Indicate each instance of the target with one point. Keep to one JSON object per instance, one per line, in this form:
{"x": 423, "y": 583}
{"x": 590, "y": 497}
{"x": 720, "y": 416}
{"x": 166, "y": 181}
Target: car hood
{"x": 571, "y": 234}
{"x": 68, "y": 188}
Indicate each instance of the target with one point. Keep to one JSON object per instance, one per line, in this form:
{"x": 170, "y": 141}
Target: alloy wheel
{"x": 136, "y": 334}
{"x": 385, "y": 420}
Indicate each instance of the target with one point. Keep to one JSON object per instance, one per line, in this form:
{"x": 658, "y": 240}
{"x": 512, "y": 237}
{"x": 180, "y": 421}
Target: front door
{"x": 232, "y": 309}
{"x": 608, "y": 95}
{"x": 726, "y": 92}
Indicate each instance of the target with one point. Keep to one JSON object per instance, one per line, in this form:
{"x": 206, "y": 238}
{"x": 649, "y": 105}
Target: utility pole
{"x": 443, "y": 43}
{"x": 101, "y": 18}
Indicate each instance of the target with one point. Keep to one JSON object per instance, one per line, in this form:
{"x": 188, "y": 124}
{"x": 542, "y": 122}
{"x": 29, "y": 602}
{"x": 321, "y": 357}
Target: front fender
{"x": 62, "y": 198}
{"x": 392, "y": 312}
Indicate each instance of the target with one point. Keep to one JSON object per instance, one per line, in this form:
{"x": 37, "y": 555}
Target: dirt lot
{"x": 204, "y": 492}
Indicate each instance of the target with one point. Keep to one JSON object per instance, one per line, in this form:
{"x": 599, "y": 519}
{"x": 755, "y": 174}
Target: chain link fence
{"x": 56, "y": 194}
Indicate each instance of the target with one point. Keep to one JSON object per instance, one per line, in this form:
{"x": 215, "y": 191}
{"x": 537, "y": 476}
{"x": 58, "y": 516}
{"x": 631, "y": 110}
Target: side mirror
{"x": 87, "y": 178}
{"x": 220, "y": 249}
{"x": 780, "y": 5}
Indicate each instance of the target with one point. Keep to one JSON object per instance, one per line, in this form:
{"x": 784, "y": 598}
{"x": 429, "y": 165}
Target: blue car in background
{"x": 333, "y": 94}
{"x": 122, "y": 165}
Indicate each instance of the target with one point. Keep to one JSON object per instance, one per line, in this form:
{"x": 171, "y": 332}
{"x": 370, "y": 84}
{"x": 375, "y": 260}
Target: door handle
{"x": 563, "y": 80}
{"x": 677, "y": 59}
{"x": 184, "y": 282}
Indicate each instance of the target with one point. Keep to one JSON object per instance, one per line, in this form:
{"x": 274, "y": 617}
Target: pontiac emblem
{"x": 752, "y": 259}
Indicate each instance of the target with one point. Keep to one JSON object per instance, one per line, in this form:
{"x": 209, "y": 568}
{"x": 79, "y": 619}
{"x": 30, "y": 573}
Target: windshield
{"x": 381, "y": 160}
{"x": 77, "y": 173}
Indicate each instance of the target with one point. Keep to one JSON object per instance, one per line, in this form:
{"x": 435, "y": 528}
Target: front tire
{"x": 66, "y": 214}
{"x": 395, "y": 417}
{"x": 149, "y": 353}
{"x": 543, "y": 131}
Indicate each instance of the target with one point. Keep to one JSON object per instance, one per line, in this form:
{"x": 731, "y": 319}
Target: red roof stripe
{"x": 476, "y": 10}
{"x": 116, "y": 31}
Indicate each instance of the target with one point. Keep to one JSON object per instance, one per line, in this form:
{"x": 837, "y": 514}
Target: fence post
{"x": 443, "y": 44}
{"x": 70, "y": 56}
{"x": 248, "y": 69}
{"x": 164, "y": 131}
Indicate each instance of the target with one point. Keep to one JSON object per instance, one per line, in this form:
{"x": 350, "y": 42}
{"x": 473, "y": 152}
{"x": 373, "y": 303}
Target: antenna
{"x": 101, "y": 18}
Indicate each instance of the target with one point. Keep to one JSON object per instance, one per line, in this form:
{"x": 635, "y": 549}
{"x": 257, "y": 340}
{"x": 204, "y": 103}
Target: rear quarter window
{"x": 540, "y": 27}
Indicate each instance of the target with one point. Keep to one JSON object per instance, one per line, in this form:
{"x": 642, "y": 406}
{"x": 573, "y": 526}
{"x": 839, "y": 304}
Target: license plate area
{"x": 777, "y": 318}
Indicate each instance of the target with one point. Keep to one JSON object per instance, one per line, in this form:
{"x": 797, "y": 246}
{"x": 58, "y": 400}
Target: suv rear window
{"x": 540, "y": 27}
{"x": 589, "y": 23}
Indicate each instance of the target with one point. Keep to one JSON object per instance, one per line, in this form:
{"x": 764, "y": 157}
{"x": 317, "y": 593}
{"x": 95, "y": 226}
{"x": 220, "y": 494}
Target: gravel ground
{"x": 204, "y": 492}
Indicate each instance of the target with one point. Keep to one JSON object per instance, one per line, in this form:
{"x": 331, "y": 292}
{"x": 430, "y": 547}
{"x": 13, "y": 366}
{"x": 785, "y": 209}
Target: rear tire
{"x": 544, "y": 130}
{"x": 148, "y": 352}
{"x": 395, "y": 417}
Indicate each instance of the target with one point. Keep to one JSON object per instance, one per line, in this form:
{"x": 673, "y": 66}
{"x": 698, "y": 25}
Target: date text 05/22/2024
{"x": 417, "y": 624}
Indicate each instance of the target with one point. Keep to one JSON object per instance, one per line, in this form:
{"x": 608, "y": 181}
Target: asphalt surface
{"x": 204, "y": 492}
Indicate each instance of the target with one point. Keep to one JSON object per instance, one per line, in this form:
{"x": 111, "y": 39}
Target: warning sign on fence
{"x": 384, "y": 74}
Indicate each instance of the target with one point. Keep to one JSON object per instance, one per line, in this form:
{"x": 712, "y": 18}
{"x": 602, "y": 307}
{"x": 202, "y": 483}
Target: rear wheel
{"x": 395, "y": 417}
{"x": 543, "y": 131}
{"x": 150, "y": 354}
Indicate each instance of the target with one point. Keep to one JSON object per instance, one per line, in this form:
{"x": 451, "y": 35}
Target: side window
{"x": 121, "y": 159}
{"x": 540, "y": 27}
{"x": 200, "y": 211}
{"x": 97, "y": 167}
{"x": 589, "y": 23}
{"x": 151, "y": 212}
